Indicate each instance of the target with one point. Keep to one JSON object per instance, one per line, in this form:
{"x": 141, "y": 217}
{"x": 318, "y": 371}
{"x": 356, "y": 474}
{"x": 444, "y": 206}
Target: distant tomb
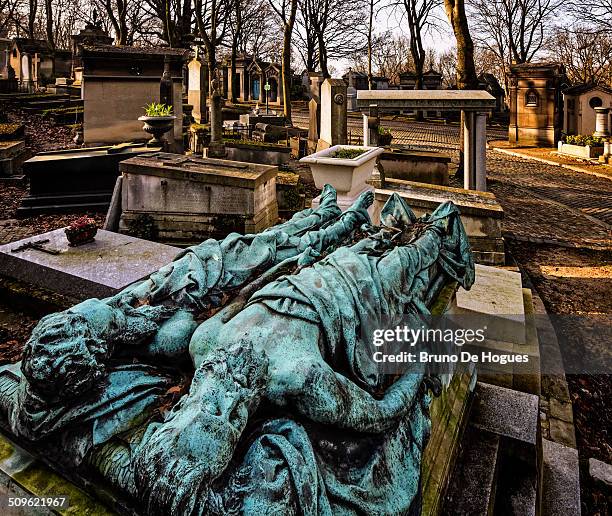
{"x": 536, "y": 106}
{"x": 118, "y": 82}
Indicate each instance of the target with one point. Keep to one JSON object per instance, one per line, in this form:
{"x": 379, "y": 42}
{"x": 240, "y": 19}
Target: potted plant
{"x": 81, "y": 231}
{"x": 384, "y": 136}
{"x": 158, "y": 120}
{"x": 345, "y": 167}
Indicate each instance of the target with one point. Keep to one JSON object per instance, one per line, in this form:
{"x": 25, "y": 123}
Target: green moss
{"x": 256, "y": 144}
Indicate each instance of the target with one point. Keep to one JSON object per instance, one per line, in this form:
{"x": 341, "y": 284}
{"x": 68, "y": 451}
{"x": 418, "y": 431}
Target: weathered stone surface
{"x": 417, "y": 166}
{"x": 476, "y": 100}
{"x": 562, "y": 432}
{"x": 98, "y": 269}
{"x": 600, "y": 471}
{"x": 506, "y": 412}
{"x": 561, "y": 482}
{"x": 561, "y": 410}
{"x": 472, "y": 490}
{"x": 497, "y": 299}
{"x": 191, "y": 199}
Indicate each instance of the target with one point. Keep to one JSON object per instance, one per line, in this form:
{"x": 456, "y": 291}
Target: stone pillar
{"x": 333, "y": 114}
{"x": 216, "y": 148}
{"x": 469, "y": 180}
{"x": 196, "y": 93}
{"x": 351, "y": 93}
{"x": 602, "y": 128}
{"x": 474, "y": 151}
{"x": 371, "y": 123}
{"x": 480, "y": 151}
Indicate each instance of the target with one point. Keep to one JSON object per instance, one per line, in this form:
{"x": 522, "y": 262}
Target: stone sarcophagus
{"x": 187, "y": 200}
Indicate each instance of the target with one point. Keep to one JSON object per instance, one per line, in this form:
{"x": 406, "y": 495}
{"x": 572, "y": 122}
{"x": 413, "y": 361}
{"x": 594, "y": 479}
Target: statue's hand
{"x": 142, "y": 323}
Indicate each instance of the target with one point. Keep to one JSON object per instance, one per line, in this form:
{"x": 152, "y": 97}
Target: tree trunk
{"x": 32, "y": 18}
{"x": 370, "y": 29}
{"x": 232, "y": 94}
{"x": 286, "y": 64}
{"x": 466, "y": 69}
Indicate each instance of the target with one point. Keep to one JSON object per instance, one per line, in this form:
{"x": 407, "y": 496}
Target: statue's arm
{"x": 328, "y": 397}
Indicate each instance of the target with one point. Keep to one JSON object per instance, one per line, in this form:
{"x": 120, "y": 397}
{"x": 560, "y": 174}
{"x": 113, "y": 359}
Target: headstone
{"x": 98, "y": 269}
{"x": 197, "y": 92}
{"x": 118, "y": 81}
{"x": 313, "y": 123}
{"x": 191, "y": 199}
{"x": 75, "y": 179}
{"x": 333, "y": 114}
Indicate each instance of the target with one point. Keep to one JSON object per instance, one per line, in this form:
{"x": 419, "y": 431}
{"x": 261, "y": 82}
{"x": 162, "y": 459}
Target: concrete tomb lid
{"x": 474, "y": 100}
{"x": 206, "y": 170}
{"x": 97, "y": 269}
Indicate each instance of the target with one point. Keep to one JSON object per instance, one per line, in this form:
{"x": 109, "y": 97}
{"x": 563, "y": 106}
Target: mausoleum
{"x": 579, "y": 104}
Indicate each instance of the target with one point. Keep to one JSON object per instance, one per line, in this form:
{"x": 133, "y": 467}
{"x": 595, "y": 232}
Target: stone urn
{"x": 157, "y": 126}
{"x": 347, "y": 175}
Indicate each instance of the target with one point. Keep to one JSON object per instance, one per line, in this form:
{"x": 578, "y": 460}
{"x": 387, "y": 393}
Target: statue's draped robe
{"x": 293, "y": 465}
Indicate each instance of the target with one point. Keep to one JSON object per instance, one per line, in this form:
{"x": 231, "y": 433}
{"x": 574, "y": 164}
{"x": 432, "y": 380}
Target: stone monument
{"x": 284, "y": 407}
{"x": 333, "y": 114}
{"x": 351, "y": 92}
{"x": 188, "y": 199}
{"x": 536, "y": 104}
{"x": 198, "y": 89}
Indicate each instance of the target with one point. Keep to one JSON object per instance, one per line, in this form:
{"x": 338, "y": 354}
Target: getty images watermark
{"x": 517, "y": 344}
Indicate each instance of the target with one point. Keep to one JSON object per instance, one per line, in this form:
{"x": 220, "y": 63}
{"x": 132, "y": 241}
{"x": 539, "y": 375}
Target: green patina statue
{"x": 284, "y": 411}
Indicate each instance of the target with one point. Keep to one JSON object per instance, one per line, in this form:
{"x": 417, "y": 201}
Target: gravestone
{"x": 333, "y": 114}
{"x": 198, "y": 90}
{"x": 98, "y": 269}
{"x": 118, "y": 81}
{"x": 351, "y": 92}
{"x": 191, "y": 199}
{"x": 313, "y": 124}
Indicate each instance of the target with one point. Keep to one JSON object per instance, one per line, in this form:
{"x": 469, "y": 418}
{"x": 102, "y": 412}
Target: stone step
{"x": 498, "y": 470}
{"x": 474, "y": 479}
{"x": 561, "y": 480}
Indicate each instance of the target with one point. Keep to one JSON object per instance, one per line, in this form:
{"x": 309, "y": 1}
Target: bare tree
{"x": 287, "y": 12}
{"x": 585, "y": 52}
{"x": 390, "y": 57}
{"x": 513, "y": 30}
{"x": 338, "y": 31}
{"x": 597, "y": 13}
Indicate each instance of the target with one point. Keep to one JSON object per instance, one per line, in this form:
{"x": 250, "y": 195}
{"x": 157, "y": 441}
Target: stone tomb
{"x": 480, "y": 212}
{"x": 72, "y": 179}
{"x": 12, "y": 155}
{"x": 97, "y": 269}
{"x": 191, "y": 199}
{"x": 118, "y": 81}
{"x": 413, "y": 165}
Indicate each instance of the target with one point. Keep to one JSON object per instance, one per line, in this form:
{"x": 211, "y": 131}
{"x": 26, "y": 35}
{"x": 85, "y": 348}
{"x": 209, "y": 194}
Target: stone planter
{"x": 347, "y": 176}
{"x": 157, "y": 126}
{"x": 580, "y": 151}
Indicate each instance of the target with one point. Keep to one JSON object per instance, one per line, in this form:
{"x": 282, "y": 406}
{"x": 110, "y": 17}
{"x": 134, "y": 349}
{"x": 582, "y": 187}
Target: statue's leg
{"x": 310, "y": 218}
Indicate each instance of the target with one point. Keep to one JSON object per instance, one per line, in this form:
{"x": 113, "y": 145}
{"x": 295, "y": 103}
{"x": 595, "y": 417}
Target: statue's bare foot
{"x": 361, "y": 205}
{"x": 329, "y": 197}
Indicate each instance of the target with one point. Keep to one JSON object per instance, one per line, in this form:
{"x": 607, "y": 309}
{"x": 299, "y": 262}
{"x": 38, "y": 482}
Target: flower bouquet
{"x": 81, "y": 231}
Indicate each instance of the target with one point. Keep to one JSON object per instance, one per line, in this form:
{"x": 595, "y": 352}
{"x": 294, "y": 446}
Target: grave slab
{"x": 97, "y": 269}
{"x": 496, "y": 302}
